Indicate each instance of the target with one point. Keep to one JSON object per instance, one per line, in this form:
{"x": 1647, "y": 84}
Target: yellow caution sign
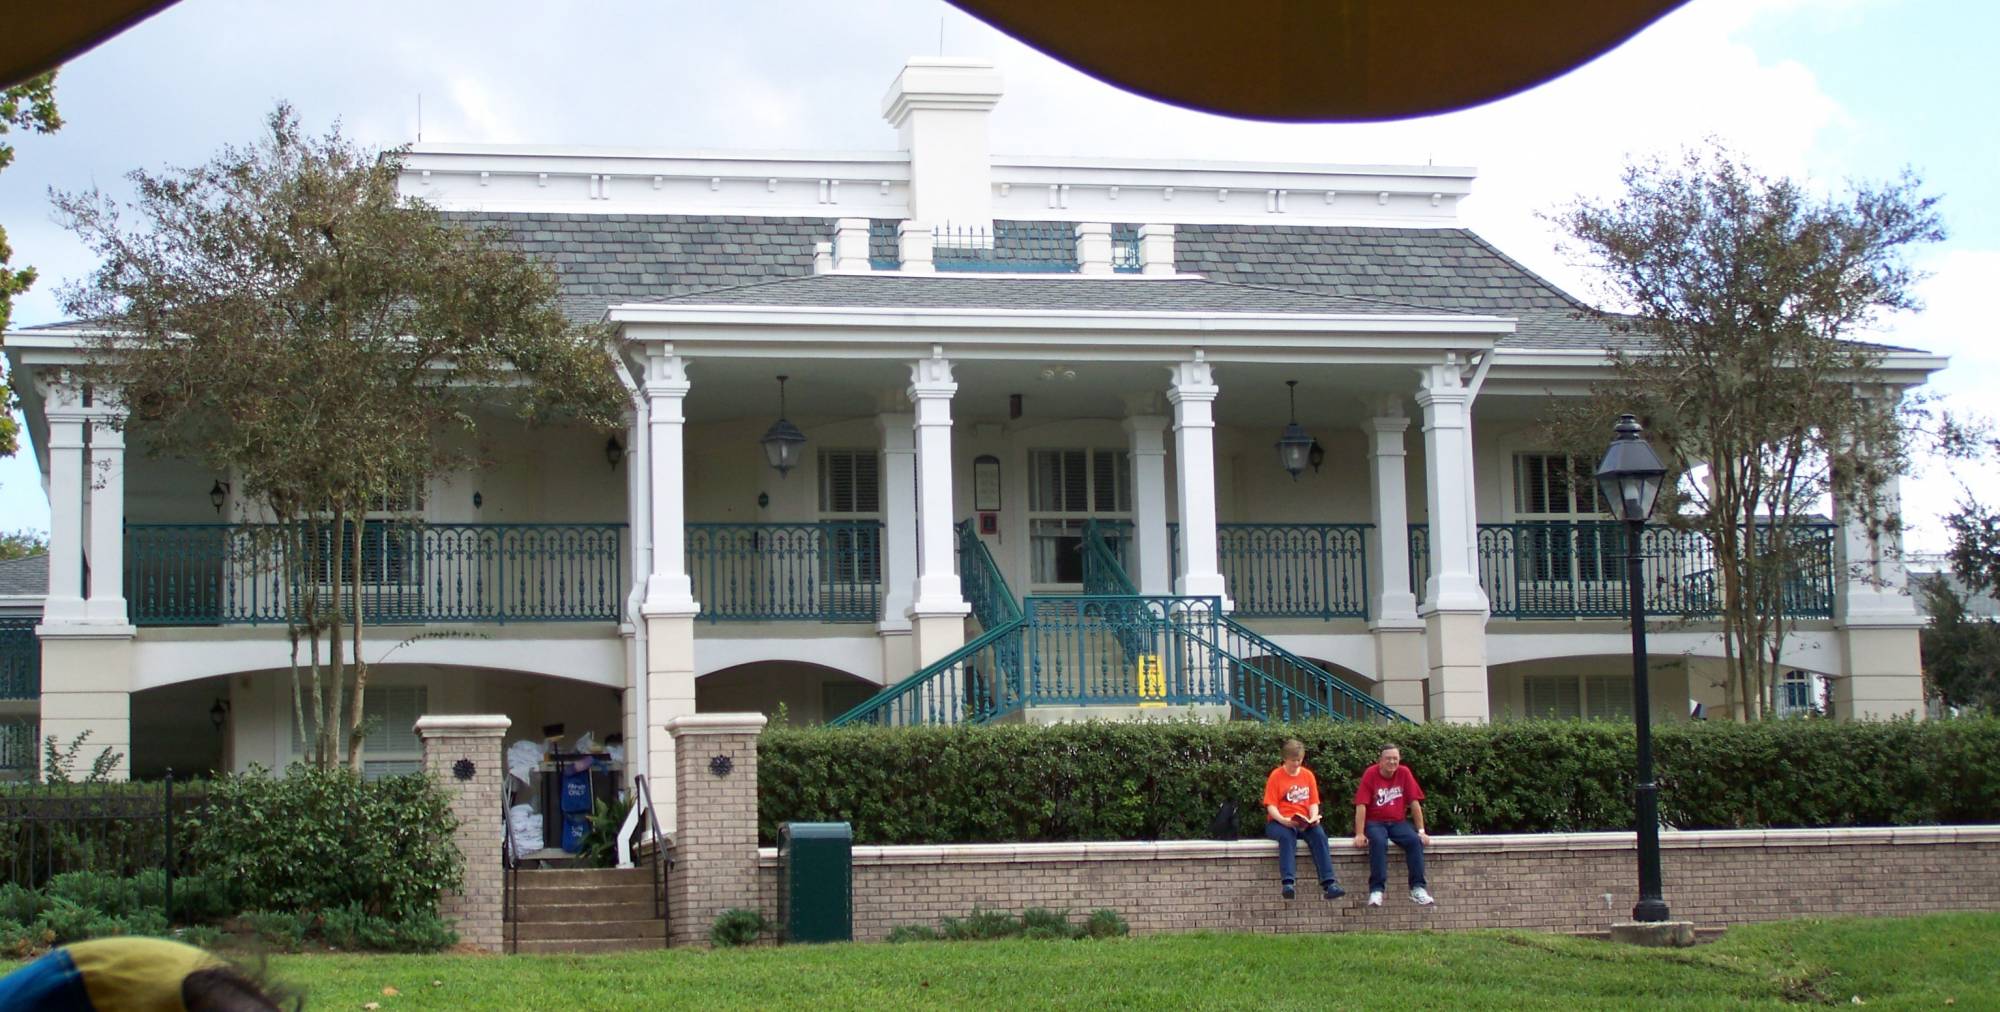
{"x": 1152, "y": 681}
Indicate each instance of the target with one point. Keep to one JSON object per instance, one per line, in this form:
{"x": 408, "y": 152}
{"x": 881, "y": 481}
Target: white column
{"x": 1156, "y": 249}
{"x": 938, "y": 608}
{"x": 106, "y": 604}
{"x": 1093, "y": 247}
{"x": 63, "y": 398}
{"x": 668, "y": 590}
{"x": 1881, "y": 662}
{"x": 633, "y": 624}
{"x": 1146, "y": 435}
{"x": 1454, "y": 581}
{"x": 1399, "y": 633}
{"x": 899, "y": 519}
{"x": 1193, "y": 398}
{"x": 850, "y": 245}
{"x": 1454, "y": 604}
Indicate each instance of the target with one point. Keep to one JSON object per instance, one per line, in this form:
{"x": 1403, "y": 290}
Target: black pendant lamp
{"x": 1295, "y": 446}
{"x": 783, "y": 442}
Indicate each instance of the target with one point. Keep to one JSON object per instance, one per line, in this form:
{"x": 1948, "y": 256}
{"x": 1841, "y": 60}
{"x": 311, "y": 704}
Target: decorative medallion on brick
{"x": 721, "y": 765}
{"x": 463, "y": 769}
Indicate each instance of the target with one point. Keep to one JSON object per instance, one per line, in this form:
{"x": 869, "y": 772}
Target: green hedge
{"x": 1127, "y": 781}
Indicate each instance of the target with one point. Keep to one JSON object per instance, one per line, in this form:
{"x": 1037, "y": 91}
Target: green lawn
{"x": 1925, "y": 962}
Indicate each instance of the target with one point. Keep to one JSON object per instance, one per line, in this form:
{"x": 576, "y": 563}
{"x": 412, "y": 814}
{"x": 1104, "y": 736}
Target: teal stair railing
{"x": 1094, "y": 650}
{"x": 238, "y": 574}
{"x": 1269, "y": 682}
{"x": 825, "y": 571}
{"x": 975, "y": 683}
{"x": 1559, "y": 569}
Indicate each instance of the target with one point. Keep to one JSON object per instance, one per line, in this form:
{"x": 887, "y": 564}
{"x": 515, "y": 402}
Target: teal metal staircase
{"x": 1091, "y": 649}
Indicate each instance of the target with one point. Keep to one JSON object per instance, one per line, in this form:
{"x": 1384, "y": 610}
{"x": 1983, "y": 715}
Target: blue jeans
{"x": 1288, "y": 850}
{"x": 1379, "y": 835}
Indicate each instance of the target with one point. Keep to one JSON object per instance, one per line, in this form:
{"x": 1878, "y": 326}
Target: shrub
{"x": 913, "y": 933}
{"x": 351, "y": 927}
{"x": 1144, "y": 781}
{"x": 1105, "y": 924}
{"x": 20, "y": 905}
{"x": 736, "y": 926}
{"x": 279, "y": 929}
{"x": 1042, "y": 923}
{"x": 599, "y": 846}
{"x": 201, "y": 936}
{"x": 980, "y": 925}
{"x": 317, "y": 839}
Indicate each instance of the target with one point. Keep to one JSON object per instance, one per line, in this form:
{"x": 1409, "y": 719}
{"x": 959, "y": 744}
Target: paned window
{"x": 850, "y": 488}
{"x": 1554, "y": 494}
{"x": 1065, "y": 489}
{"x": 1569, "y": 697}
{"x": 390, "y": 713}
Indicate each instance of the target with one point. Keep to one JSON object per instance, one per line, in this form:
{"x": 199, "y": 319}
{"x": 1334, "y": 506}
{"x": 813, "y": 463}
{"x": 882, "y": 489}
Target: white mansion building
{"x": 1038, "y": 402}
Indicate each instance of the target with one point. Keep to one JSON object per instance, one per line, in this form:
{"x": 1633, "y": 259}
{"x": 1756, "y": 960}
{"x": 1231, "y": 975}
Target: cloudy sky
{"x": 1831, "y": 89}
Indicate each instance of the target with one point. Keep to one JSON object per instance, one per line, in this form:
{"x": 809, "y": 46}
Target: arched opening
{"x": 808, "y": 693}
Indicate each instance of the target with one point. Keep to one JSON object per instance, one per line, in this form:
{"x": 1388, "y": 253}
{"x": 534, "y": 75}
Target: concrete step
{"x": 656, "y": 941}
{"x": 541, "y": 896}
{"x": 585, "y": 912}
{"x": 552, "y": 931}
{"x": 584, "y": 876}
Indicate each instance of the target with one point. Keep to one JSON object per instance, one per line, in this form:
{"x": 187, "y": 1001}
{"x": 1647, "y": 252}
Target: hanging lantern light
{"x": 783, "y": 442}
{"x": 1295, "y": 446}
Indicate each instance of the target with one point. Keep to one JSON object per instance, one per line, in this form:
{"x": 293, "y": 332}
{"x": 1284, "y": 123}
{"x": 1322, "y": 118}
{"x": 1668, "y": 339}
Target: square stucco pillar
{"x": 899, "y": 542}
{"x": 1455, "y": 605}
{"x": 715, "y": 844}
{"x": 1146, "y": 439}
{"x": 1193, "y": 398}
{"x": 63, "y": 397}
{"x": 1402, "y": 668}
{"x": 463, "y": 754}
{"x": 1881, "y": 674}
{"x": 937, "y": 609}
{"x": 670, "y": 609}
{"x": 105, "y": 604}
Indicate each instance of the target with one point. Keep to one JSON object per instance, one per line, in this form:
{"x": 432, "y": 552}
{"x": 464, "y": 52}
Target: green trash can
{"x": 816, "y": 881}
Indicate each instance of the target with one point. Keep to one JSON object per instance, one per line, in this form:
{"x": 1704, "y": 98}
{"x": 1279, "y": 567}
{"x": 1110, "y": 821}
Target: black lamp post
{"x": 1629, "y": 478}
{"x": 1295, "y": 445}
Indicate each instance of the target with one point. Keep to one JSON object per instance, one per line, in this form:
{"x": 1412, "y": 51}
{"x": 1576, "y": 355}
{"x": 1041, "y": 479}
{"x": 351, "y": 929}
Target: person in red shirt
{"x": 1388, "y": 805}
{"x": 1291, "y": 803}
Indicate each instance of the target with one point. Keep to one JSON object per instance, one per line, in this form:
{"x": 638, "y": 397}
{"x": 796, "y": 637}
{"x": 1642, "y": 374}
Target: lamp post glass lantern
{"x": 1295, "y": 446}
{"x": 783, "y": 443}
{"x": 1629, "y": 478}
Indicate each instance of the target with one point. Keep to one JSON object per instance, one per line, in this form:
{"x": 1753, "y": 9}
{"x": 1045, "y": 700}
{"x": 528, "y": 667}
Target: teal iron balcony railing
{"x": 1295, "y": 570}
{"x": 828, "y": 571}
{"x": 20, "y": 659}
{"x": 1024, "y": 247}
{"x": 1125, "y": 250}
{"x": 238, "y": 574}
{"x": 1577, "y": 570}
{"x": 19, "y": 746}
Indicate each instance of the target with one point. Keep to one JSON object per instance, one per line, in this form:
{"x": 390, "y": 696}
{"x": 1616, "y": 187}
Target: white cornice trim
{"x": 932, "y": 320}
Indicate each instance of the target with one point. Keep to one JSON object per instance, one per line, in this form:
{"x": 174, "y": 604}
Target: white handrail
{"x": 630, "y": 826}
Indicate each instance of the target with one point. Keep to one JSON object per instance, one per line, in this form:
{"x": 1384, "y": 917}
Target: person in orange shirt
{"x": 1291, "y": 803}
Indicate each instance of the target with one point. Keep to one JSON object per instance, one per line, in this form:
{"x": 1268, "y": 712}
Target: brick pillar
{"x": 476, "y": 800}
{"x": 715, "y": 839}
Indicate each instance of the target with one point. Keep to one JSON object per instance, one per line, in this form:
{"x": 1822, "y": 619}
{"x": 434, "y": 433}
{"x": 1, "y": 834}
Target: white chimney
{"x": 939, "y": 108}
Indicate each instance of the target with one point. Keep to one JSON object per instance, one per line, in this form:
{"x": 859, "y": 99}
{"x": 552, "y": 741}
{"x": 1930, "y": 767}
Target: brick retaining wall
{"x": 1549, "y": 882}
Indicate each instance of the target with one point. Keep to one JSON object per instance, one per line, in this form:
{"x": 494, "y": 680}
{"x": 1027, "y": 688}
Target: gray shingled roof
{"x": 1072, "y": 293}
{"x": 608, "y": 259}
{"x": 27, "y": 577}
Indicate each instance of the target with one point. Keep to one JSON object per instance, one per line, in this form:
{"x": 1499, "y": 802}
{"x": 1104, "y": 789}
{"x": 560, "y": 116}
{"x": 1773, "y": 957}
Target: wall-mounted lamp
{"x": 218, "y": 494}
{"x": 614, "y": 451}
{"x": 219, "y": 713}
{"x": 478, "y": 500}
{"x": 1316, "y": 456}
{"x": 1294, "y": 444}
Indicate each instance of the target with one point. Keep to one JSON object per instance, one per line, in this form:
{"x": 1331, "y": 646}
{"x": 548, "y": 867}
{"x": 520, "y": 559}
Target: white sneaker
{"x": 1375, "y": 898}
{"x": 1421, "y": 897}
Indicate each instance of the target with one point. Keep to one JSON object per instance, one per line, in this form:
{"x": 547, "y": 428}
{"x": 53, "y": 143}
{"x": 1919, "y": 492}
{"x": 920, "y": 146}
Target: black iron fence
{"x": 119, "y": 829}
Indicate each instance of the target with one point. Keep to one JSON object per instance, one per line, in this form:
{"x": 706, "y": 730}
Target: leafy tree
{"x": 284, "y": 315}
{"x": 29, "y": 106}
{"x": 1961, "y": 651}
{"x": 21, "y": 544}
{"x": 1743, "y": 293}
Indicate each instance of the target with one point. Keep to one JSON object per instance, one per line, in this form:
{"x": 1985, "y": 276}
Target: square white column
{"x": 1454, "y": 582}
{"x": 668, "y": 589}
{"x": 1881, "y": 660}
{"x": 64, "y": 409}
{"x": 106, "y": 480}
{"x": 1192, "y": 395}
{"x": 930, "y": 392}
{"x": 1395, "y": 604}
{"x": 899, "y": 519}
{"x": 1146, "y": 439}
